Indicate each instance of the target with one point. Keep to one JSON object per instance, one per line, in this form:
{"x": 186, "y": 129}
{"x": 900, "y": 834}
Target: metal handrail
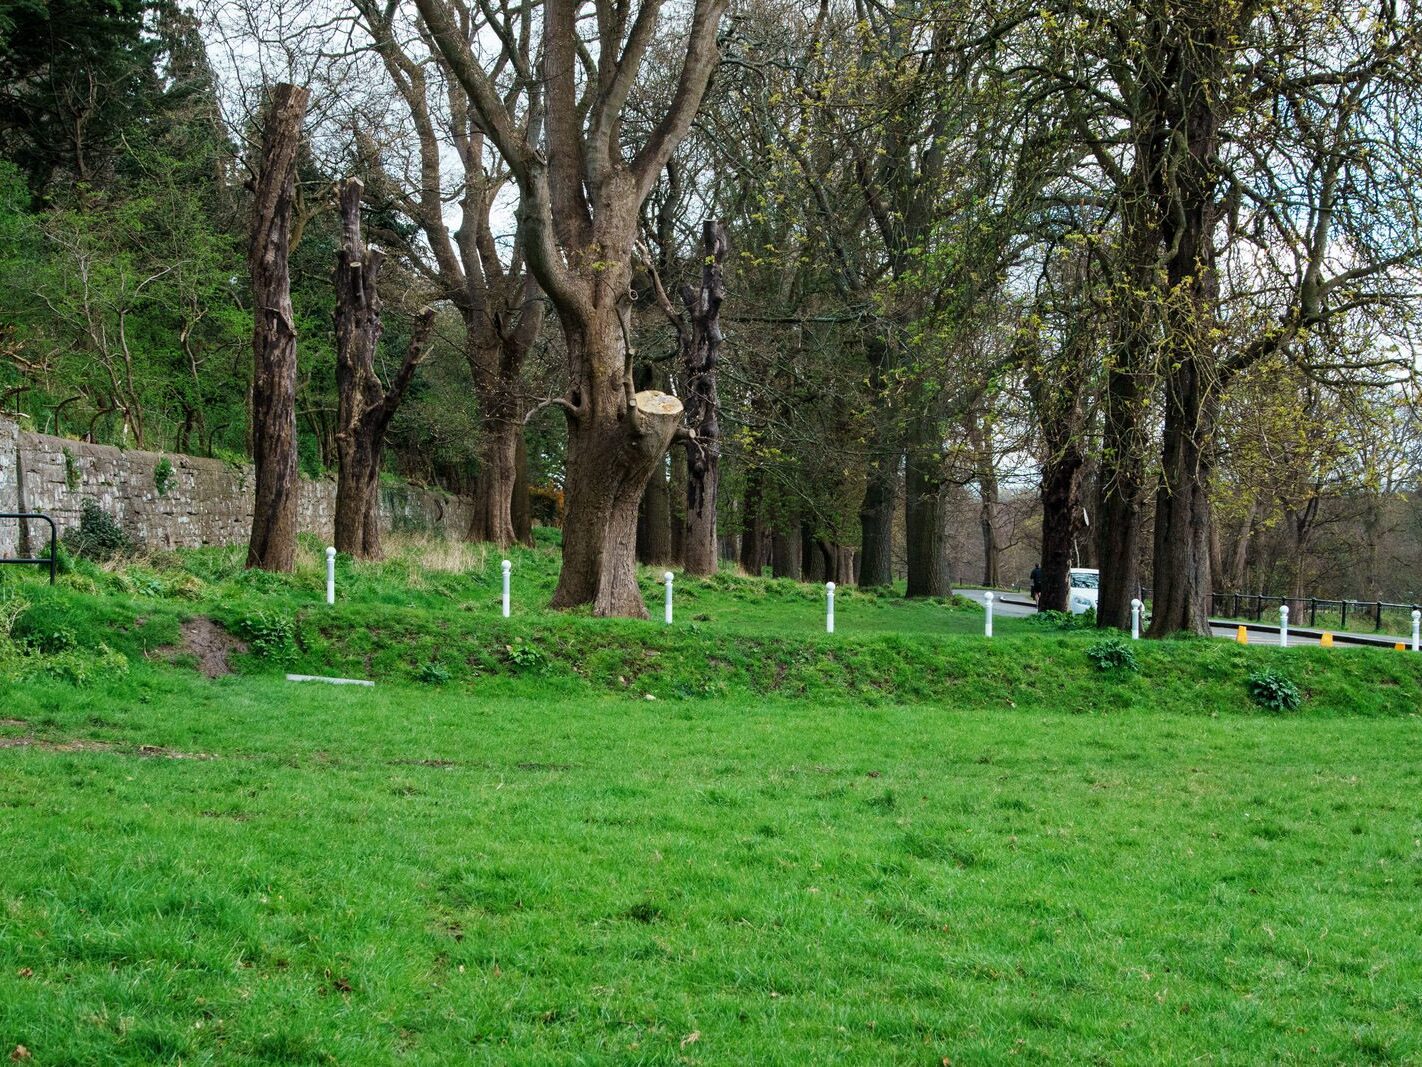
{"x": 1221, "y": 603}
{"x": 53, "y": 541}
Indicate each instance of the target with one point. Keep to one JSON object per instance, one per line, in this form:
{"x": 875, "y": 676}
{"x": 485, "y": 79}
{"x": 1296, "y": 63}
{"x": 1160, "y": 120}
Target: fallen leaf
{"x": 691, "y": 1038}
{"x": 25, "y": 972}
{"x": 20, "y": 1053}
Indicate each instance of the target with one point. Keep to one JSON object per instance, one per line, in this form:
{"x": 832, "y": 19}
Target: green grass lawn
{"x": 896, "y": 845}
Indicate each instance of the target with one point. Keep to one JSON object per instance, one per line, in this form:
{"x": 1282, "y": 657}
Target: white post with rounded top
{"x": 330, "y": 575}
{"x": 1136, "y": 607}
{"x": 508, "y": 566}
{"x": 1416, "y": 630}
{"x": 1283, "y": 626}
{"x": 668, "y": 579}
{"x": 987, "y": 625}
{"x": 829, "y": 607}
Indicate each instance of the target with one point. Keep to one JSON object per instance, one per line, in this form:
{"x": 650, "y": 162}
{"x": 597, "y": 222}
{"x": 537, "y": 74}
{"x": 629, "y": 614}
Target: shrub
{"x": 1274, "y": 691}
{"x": 526, "y": 658}
{"x": 163, "y": 475}
{"x": 98, "y": 536}
{"x": 1112, "y": 654}
{"x": 269, "y": 634}
{"x": 432, "y": 672}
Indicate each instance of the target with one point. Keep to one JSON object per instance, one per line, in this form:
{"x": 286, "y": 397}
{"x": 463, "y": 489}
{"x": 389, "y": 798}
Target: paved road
{"x": 1011, "y": 604}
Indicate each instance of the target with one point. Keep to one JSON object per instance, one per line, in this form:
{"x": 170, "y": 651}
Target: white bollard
{"x": 668, "y": 579}
{"x": 987, "y": 626}
{"x": 829, "y": 607}
{"x": 1136, "y": 606}
{"x": 1416, "y": 630}
{"x": 1283, "y": 626}
{"x": 330, "y": 576}
{"x": 507, "y": 567}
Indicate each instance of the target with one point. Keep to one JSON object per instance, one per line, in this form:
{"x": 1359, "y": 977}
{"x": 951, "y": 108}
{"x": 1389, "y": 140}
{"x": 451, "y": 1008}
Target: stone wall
{"x": 202, "y": 501}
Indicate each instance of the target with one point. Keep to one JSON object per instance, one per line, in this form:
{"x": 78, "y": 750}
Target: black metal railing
{"x": 38, "y": 561}
{"x": 1314, "y": 612}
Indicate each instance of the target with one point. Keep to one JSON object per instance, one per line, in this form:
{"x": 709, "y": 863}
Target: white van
{"x": 1085, "y": 585}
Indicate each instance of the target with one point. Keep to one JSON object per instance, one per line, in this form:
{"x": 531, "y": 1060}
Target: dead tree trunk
{"x": 364, "y": 407}
{"x": 701, "y": 347}
{"x": 273, "y": 541}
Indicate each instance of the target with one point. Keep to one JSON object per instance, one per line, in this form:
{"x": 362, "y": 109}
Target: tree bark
{"x": 609, "y": 462}
{"x": 752, "y": 527}
{"x": 701, "y": 346}
{"x": 785, "y": 554}
{"x": 1061, "y": 484}
{"x": 812, "y": 561}
{"x": 654, "y": 521}
{"x": 522, "y": 509}
{"x": 364, "y": 407}
{"x": 925, "y": 523}
{"x": 272, "y": 545}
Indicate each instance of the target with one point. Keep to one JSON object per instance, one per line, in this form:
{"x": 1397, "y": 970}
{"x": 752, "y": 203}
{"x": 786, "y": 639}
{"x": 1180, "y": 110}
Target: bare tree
{"x": 364, "y": 406}
{"x": 273, "y": 542}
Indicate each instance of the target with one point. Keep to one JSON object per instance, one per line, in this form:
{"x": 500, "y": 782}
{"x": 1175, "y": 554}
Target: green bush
{"x": 1065, "y": 620}
{"x": 432, "y": 672}
{"x": 163, "y": 475}
{"x": 1112, "y": 654}
{"x": 525, "y": 657}
{"x": 98, "y": 536}
{"x": 269, "y": 634}
{"x": 1274, "y": 690}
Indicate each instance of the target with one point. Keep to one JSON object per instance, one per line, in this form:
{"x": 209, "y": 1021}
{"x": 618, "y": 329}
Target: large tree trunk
{"x": 876, "y": 522}
{"x": 364, "y": 407}
{"x": 987, "y": 523}
{"x": 701, "y": 347}
{"x": 493, "y": 517}
{"x": 785, "y": 559}
{"x": 1180, "y": 597}
{"x": 1187, "y": 211}
{"x": 925, "y": 523}
{"x": 273, "y": 541}
{"x": 1061, "y": 482}
{"x": 613, "y": 448}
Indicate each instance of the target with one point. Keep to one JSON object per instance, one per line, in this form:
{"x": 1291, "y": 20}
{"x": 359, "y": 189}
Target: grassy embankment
{"x": 901, "y": 843}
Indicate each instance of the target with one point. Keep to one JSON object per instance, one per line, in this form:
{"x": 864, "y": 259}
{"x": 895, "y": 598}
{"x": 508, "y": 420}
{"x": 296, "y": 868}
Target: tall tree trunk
{"x": 701, "y": 346}
{"x": 925, "y": 515}
{"x": 812, "y": 561}
{"x": 493, "y": 517}
{"x": 876, "y": 511}
{"x": 272, "y": 545}
{"x": 876, "y": 522}
{"x": 785, "y": 554}
{"x": 1061, "y": 483}
{"x": 752, "y": 527}
{"x": 987, "y": 522}
{"x": 522, "y": 509}
{"x": 1180, "y": 597}
{"x": 364, "y": 407}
